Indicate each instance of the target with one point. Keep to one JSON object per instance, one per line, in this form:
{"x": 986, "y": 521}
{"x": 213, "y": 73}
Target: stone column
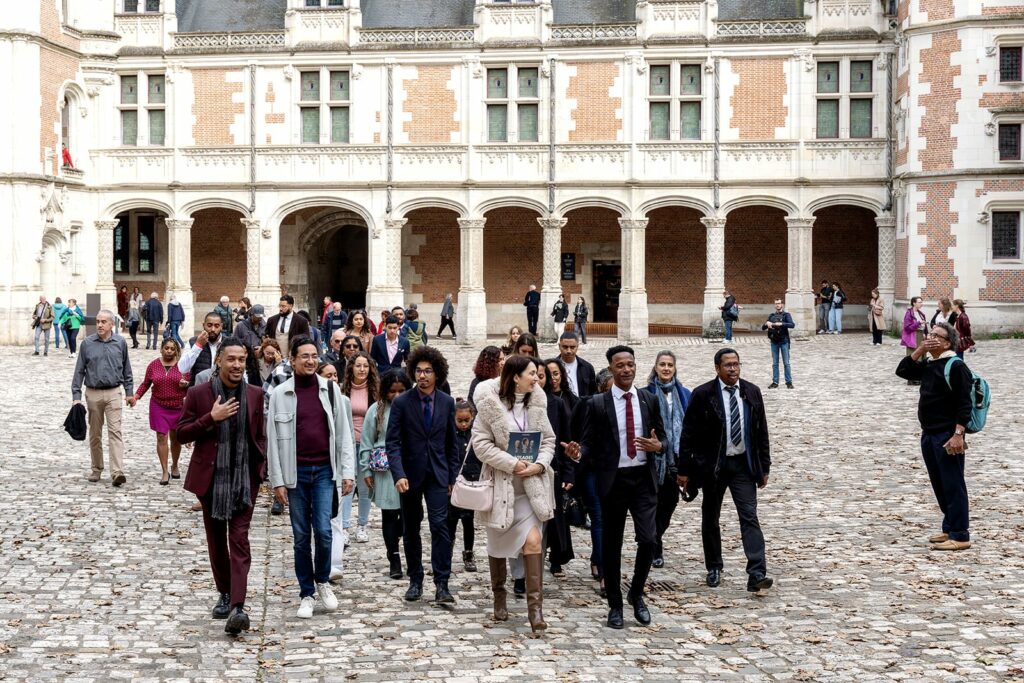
{"x": 887, "y": 263}
{"x": 714, "y": 281}
{"x": 471, "y": 309}
{"x": 633, "y": 315}
{"x": 179, "y": 267}
{"x": 258, "y": 245}
{"x": 800, "y": 288}
{"x": 105, "y": 264}
{"x": 386, "y": 290}
{"x": 551, "y": 285}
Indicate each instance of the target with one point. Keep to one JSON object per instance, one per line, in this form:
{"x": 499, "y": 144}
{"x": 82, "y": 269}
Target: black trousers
{"x": 668, "y": 499}
{"x": 633, "y": 492}
{"x": 436, "y": 497}
{"x": 391, "y": 530}
{"x": 532, "y": 313}
{"x": 735, "y": 476}
{"x": 876, "y": 334}
{"x": 446, "y": 322}
{"x": 455, "y": 515}
{"x": 946, "y": 473}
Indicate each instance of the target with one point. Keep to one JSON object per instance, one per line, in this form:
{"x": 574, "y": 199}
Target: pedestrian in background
{"x": 360, "y": 326}
{"x": 876, "y": 317}
{"x": 137, "y": 298}
{"x": 963, "y": 328}
{"x": 915, "y": 328}
{"x": 465, "y": 413}
{"x": 487, "y": 366}
{"x": 175, "y": 318}
{"x": 242, "y": 312}
{"x": 730, "y": 313}
{"x": 580, "y": 376}
{"x": 778, "y": 326}
{"x": 227, "y": 316}
{"x": 134, "y": 320}
{"x": 447, "y": 316}
{"x": 824, "y": 307}
{"x": 58, "y": 319}
{"x": 532, "y": 304}
{"x": 287, "y": 324}
{"x": 251, "y": 328}
{"x": 42, "y": 321}
{"x": 558, "y": 533}
{"x": 415, "y": 330}
{"x": 389, "y": 350}
{"x": 71, "y": 323}
{"x": 943, "y": 312}
{"x": 514, "y": 333}
{"x": 580, "y": 315}
{"x": 169, "y": 389}
{"x": 336, "y": 320}
{"x": 122, "y": 302}
{"x": 835, "y": 314}
{"x": 559, "y": 314}
{"x": 154, "y": 315}
{"x": 361, "y": 384}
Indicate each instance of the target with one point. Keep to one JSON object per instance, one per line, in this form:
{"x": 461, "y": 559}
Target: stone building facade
{"x": 644, "y": 154}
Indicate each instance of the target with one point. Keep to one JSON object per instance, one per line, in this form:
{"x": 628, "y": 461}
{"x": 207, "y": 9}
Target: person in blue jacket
{"x": 175, "y": 317}
{"x": 673, "y": 398}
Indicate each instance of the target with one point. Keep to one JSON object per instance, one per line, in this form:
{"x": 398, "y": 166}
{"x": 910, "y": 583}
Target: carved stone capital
{"x": 472, "y": 223}
{"x": 553, "y": 223}
{"x": 251, "y": 223}
{"x": 885, "y": 221}
{"x": 106, "y": 225}
{"x": 633, "y": 223}
{"x": 713, "y": 222}
{"x": 179, "y": 223}
{"x": 395, "y": 223}
{"x": 800, "y": 222}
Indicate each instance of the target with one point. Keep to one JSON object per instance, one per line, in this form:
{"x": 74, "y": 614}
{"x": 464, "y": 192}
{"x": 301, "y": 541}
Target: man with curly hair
{"x": 424, "y": 460}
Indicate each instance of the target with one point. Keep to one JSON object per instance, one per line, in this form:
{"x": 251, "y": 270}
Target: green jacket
{"x": 383, "y": 494}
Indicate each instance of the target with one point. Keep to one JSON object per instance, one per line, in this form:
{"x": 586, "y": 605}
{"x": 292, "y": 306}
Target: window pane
{"x": 860, "y": 76}
{"x": 660, "y": 83}
{"x": 131, "y": 6}
{"x": 828, "y": 76}
{"x": 497, "y": 122}
{"x": 312, "y": 3}
{"x": 1005, "y": 235}
{"x": 1009, "y": 63}
{"x": 528, "y": 122}
{"x": 156, "y": 89}
{"x": 339, "y": 124}
{"x": 828, "y": 118}
{"x": 157, "y": 121}
{"x": 146, "y": 231}
{"x": 659, "y": 120}
{"x": 339, "y": 86}
{"x": 497, "y": 82}
{"x": 311, "y": 124}
{"x": 129, "y": 89}
{"x": 129, "y": 127}
{"x": 335, "y": 3}
{"x": 689, "y": 121}
{"x": 121, "y": 247}
{"x": 311, "y": 85}
{"x": 1009, "y": 142}
{"x": 527, "y": 82}
{"x": 860, "y": 118}
{"x": 152, "y": 5}
{"x": 689, "y": 80}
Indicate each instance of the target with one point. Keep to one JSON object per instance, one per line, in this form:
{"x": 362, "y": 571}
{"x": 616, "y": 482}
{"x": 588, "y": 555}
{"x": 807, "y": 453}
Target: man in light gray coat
{"x": 447, "y": 313}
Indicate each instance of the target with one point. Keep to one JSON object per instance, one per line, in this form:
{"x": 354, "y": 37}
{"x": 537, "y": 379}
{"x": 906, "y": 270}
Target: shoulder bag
{"x": 473, "y": 495}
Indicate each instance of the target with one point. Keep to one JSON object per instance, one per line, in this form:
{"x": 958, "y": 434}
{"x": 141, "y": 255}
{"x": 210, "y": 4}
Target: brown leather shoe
{"x": 938, "y": 538}
{"x": 94, "y": 477}
{"x": 952, "y": 545}
{"x": 534, "y": 591}
{"x": 499, "y": 575}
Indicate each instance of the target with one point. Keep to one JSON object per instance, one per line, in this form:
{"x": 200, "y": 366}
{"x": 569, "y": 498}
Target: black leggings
{"x": 454, "y": 515}
{"x": 876, "y": 334}
{"x": 72, "y": 341}
{"x": 391, "y": 529}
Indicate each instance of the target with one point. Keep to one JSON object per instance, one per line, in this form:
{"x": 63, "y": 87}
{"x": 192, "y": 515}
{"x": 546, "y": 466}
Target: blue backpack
{"x": 981, "y": 398}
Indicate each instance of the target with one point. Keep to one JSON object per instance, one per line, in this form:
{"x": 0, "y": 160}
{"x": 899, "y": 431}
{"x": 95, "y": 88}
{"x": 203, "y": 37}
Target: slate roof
{"x": 228, "y": 16}
{"x": 737, "y": 10}
{"x": 416, "y": 13}
{"x": 593, "y": 11}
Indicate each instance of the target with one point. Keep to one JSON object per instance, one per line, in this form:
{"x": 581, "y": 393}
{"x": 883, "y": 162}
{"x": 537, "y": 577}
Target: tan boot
{"x": 499, "y": 575}
{"x": 534, "y": 591}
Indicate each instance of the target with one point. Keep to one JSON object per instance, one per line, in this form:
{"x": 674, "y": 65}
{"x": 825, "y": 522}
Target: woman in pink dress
{"x": 169, "y": 387}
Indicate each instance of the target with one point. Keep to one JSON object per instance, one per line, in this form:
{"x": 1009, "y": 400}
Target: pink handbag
{"x": 472, "y": 495}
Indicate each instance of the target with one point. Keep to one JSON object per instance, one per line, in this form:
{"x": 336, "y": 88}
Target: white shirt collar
{"x": 619, "y": 393}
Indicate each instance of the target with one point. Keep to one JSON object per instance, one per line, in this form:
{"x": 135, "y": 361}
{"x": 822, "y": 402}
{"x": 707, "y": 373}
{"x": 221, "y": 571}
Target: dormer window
{"x": 139, "y": 6}
{"x": 324, "y": 3}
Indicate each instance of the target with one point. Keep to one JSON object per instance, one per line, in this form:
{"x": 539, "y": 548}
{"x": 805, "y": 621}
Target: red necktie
{"x": 630, "y": 427}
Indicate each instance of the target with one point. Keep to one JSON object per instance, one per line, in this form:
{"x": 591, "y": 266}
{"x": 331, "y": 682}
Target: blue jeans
{"x": 728, "y": 329}
{"x": 784, "y": 350}
{"x": 364, "y": 506}
{"x": 174, "y": 334}
{"x": 593, "y": 502}
{"x": 946, "y": 473}
{"x": 46, "y": 339}
{"x": 309, "y": 507}
{"x": 835, "y": 320}
{"x": 581, "y": 330}
{"x": 823, "y": 311}
{"x": 58, "y": 334}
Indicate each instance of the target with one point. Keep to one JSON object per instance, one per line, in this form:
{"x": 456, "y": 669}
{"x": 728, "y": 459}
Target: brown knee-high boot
{"x": 534, "y": 591}
{"x": 499, "y": 575}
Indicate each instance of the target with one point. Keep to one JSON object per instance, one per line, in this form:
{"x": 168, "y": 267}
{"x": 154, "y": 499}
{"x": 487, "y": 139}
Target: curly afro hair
{"x": 430, "y": 355}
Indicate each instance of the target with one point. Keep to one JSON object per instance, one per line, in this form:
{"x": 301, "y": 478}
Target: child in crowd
{"x": 465, "y": 413}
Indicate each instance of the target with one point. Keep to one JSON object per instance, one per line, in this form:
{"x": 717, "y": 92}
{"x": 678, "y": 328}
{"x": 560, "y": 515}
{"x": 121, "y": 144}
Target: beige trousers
{"x": 104, "y": 405}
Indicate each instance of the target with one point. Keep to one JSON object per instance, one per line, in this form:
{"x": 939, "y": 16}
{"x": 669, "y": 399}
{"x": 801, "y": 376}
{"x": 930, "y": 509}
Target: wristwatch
{"x": 958, "y": 432}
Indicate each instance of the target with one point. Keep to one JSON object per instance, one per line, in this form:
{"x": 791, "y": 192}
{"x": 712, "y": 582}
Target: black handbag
{"x": 573, "y": 511}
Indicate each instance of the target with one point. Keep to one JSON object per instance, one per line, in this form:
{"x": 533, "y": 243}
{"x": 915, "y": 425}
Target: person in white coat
{"x": 523, "y": 492}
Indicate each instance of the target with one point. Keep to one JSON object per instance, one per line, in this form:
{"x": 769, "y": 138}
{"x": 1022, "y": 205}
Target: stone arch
{"x": 136, "y": 203}
{"x": 602, "y": 202}
{"x": 404, "y": 209}
{"x": 672, "y": 201}
{"x": 759, "y": 200}
{"x": 593, "y": 235}
{"x": 844, "y": 248}
{"x": 504, "y": 202}
{"x": 843, "y": 199}
{"x": 214, "y": 203}
{"x": 324, "y": 202}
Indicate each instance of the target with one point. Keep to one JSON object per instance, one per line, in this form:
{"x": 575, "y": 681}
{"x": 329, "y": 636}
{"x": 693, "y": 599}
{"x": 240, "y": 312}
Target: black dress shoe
{"x": 658, "y": 562}
{"x": 277, "y": 508}
{"x": 714, "y": 578}
{"x": 443, "y": 597}
{"x": 238, "y": 621}
{"x": 415, "y": 592}
{"x": 615, "y": 618}
{"x": 640, "y": 611}
{"x": 519, "y": 587}
{"x": 395, "y": 569}
{"x": 759, "y": 583}
{"x": 223, "y": 608}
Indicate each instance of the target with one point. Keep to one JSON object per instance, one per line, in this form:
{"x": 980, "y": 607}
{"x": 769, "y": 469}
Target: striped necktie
{"x": 735, "y": 431}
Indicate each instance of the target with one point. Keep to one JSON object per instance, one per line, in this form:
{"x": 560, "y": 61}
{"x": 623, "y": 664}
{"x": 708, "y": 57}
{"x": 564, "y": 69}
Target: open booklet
{"x": 524, "y": 446}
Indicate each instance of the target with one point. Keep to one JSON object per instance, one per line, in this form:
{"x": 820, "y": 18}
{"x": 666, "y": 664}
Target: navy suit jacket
{"x": 702, "y": 444}
{"x": 412, "y": 452}
{"x": 379, "y": 353}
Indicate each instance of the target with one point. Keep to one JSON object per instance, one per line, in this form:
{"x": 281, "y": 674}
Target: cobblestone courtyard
{"x": 98, "y": 583}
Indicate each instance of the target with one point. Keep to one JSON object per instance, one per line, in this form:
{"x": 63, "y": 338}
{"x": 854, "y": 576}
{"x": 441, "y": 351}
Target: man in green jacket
{"x": 42, "y": 321}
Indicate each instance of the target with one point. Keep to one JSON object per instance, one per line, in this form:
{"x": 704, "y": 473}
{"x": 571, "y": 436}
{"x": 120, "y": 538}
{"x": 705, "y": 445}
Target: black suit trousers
{"x": 634, "y": 493}
{"x": 436, "y": 497}
{"x": 532, "y": 315}
{"x": 733, "y": 475}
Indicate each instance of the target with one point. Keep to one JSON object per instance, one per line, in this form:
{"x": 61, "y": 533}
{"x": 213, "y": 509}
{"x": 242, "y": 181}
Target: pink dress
{"x": 168, "y": 396}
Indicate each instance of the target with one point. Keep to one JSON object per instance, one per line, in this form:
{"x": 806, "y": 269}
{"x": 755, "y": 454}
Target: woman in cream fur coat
{"x": 523, "y": 494}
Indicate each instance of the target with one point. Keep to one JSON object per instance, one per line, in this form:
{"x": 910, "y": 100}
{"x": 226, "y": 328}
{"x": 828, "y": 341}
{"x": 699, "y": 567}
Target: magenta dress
{"x": 168, "y": 396}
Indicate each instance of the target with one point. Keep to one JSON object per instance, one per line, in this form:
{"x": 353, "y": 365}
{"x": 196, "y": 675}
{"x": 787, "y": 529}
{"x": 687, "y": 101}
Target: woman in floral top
{"x": 169, "y": 387}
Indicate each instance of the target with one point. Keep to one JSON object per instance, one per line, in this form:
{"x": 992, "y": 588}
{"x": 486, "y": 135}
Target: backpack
{"x": 415, "y": 334}
{"x": 981, "y": 397}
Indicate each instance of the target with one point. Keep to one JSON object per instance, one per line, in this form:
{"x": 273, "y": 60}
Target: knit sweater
{"x": 940, "y": 407}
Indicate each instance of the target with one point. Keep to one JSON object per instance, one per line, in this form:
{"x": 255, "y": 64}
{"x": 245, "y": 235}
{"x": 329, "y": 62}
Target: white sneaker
{"x": 327, "y": 597}
{"x": 306, "y": 607}
{"x": 361, "y": 535}
{"x": 344, "y": 537}
{"x": 336, "y": 575}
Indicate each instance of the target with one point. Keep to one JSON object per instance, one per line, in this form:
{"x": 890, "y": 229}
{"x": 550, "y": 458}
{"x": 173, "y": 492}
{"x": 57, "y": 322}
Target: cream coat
{"x": 490, "y": 443}
{"x": 876, "y": 312}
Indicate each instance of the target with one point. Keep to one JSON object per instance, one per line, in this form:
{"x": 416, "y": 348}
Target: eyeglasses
{"x": 730, "y": 366}
{"x": 351, "y": 346}
{"x": 424, "y": 371}
{"x": 308, "y": 356}
{"x": 932, "y": 335}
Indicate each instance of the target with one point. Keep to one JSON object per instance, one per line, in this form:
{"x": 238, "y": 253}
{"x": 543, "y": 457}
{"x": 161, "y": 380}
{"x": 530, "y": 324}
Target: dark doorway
{"x": 607, "y": 284}
{"x": 338, "y": 268}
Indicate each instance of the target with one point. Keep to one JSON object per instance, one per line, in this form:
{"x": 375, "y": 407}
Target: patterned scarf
{"x": 231, "y": 484}
{"x": 673, "y": 419}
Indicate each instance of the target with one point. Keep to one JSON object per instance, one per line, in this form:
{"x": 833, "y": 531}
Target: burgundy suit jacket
{"x": 196, "y": 424}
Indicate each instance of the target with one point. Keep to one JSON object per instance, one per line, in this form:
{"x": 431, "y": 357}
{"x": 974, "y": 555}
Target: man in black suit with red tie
{"x": 224, "y": 417}
{"x": 724, "y": 444}
{"x": 622, "y": 435}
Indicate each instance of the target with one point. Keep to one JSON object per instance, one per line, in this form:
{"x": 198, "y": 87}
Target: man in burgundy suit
{"x": 225, "y": 420}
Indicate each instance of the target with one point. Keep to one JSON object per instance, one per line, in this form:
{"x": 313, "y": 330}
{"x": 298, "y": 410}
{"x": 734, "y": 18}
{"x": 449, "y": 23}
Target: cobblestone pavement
{"x": 98, "y": 583}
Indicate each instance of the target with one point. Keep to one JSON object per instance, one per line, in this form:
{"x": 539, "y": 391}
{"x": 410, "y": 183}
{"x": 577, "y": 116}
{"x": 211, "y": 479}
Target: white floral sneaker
{"x": 306, "y": 607}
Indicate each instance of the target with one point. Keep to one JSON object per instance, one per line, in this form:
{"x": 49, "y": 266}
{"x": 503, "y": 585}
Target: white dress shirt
{"x": 188, "y": 359}
{"x": 730, "y": 447}
{"x": 570, "y": 376}
{"x": 286, "y": 322}
{"x": 620, "y": 417}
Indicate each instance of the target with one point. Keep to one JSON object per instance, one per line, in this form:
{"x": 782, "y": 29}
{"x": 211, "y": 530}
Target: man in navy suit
{"x": 725, "y": 445}
{"x": 424, "y": 460}
{"x": 622, "y": 434}
{"x": 389, "y": 350}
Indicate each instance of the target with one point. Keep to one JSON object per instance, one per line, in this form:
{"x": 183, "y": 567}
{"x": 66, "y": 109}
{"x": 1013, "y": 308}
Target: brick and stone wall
{"x": 216, "y": 104}
{"x": 218, "y": 256}
{"x": 595, "y": 101}
{"x": 845, "y": 248}
{"x": 756, "y": 253}
{"x": 430, "y": 106}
